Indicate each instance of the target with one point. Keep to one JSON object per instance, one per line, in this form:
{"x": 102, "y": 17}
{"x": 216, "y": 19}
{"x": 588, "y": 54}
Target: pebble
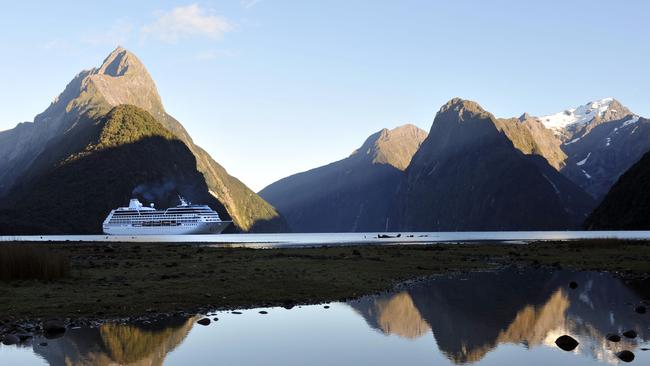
{"x": 204, "y": 321}
{"x": 613, "y": 337}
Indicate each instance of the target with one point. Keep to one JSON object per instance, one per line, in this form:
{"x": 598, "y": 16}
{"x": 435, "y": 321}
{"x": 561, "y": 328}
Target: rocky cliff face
{"x": 122, "y": 79}
{"x": 469, "y": 175}
{"x": 353, "y": 194}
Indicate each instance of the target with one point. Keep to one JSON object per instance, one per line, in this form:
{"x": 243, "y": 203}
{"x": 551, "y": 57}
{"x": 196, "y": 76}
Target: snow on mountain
{"x": 583, "y": 161}
{"x": 580, "y": 115}
{"x": 632, "y": 120}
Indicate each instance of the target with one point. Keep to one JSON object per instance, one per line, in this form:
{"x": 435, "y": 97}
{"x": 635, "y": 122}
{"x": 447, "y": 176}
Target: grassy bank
{"x": 132, "y": 279}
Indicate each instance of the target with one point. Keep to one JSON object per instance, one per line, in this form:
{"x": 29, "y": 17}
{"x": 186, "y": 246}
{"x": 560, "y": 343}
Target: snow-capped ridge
{"x": 577, "y": 116}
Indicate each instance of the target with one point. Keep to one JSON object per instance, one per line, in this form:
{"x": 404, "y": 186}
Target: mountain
{"x": 601, "y": 139}
{"x": 627, "y": 205}
{"x": 26, "y": 151}
{"x": 56, "y": 198}
{"x": 469, "y": 175}
{"x": 353, "y": 194}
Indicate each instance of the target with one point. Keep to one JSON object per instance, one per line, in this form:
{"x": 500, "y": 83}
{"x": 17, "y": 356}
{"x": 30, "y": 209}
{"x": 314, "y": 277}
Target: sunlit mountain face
{"x": 471, "y": 316}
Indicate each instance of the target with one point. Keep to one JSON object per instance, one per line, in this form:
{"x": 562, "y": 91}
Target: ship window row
{"x": 148, "y": 219}
{"x": 166, "y": 216}
{"x": 141, "y": 221}
{"x": 166, "y": 213}
{"x": 147, "y": 224}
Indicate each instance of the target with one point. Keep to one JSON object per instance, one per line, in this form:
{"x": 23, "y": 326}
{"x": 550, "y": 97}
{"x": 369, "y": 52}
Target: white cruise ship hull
{"x": 197, "y": 228}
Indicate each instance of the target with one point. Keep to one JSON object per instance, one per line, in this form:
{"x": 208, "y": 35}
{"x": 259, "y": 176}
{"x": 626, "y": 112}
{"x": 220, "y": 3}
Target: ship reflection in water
{"x": 487, "y": 318}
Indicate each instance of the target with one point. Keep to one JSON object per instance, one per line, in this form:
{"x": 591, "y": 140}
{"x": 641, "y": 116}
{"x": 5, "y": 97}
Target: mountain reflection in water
{"x": 488, "y": 318}
{"x": 111, "y": 344}
{"x": 472, "y": 315}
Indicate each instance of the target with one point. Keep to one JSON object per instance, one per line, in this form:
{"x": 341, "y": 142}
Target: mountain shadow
{"x": 627, "y": 205}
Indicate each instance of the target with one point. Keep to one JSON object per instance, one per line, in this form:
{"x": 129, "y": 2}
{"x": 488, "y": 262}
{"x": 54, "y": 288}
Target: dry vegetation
{"x": 135, "y": 279}
{"x": 31, "y": 262}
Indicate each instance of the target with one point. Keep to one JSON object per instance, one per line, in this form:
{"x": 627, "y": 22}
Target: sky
{"x": 274, "y": 87}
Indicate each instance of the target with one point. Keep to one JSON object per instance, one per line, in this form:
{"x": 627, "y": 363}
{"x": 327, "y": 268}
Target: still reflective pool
{"x": 488, "y": 318}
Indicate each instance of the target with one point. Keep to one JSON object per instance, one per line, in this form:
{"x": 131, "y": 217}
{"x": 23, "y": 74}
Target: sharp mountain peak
{"x": 120, "y": 62}
{"x": 392, "y": 146}
{"x": 464, "y": 109}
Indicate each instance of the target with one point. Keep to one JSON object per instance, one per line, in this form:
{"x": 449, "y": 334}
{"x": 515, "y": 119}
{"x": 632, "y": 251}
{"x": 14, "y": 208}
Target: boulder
{"x": 625, "y": 356}
{"x": 10, "y": 339}
{"x": 566, "y": 343}
{"x": 204, "y": 321}
{"x": 630, "y": 334}
{"x": 54, "y": 326}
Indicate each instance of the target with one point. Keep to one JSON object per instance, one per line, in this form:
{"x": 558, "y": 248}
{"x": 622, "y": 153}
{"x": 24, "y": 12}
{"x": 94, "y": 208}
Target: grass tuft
{"x": 31, "y": 262}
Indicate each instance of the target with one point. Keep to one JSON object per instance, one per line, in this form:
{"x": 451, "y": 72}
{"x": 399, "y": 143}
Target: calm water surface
{"x": 314, "y": 239}
{"x": 500, "y": 318}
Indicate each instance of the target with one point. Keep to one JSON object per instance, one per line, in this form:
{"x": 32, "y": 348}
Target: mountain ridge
{"x": 123, "y": 79}
{"x": 468, "y": 175}
{"x": 351, "y": 194}
{"x": 109, "y": 163}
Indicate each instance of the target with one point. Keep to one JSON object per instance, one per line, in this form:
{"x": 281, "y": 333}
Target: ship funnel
{"x": 134, "y": 204}
{"x": 151, "y": 205}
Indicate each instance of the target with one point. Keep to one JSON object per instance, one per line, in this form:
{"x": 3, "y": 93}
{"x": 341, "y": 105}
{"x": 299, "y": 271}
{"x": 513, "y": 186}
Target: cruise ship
{"x": 185, "y": 218}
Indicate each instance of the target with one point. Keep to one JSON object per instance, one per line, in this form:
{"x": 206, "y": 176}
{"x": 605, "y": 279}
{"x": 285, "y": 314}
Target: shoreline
{"x": 133, "y": 282}
{"x": 295, "y": 240}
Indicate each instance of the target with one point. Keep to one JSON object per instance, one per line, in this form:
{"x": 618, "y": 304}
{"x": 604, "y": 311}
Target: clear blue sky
{"x": 274, "y": 87}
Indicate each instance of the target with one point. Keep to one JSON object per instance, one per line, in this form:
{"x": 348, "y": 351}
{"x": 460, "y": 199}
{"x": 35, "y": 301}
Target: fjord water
{"x": 487, "y": 318}
{"x": 315, "y": 239}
